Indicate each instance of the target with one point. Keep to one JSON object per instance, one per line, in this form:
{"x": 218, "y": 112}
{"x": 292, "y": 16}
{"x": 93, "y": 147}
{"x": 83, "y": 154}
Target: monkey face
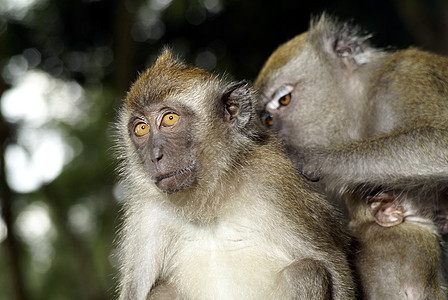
{"x": 275, "y": 111}
{"x": 162, "y": 137}
{"x": 287, "y": 109}
{"x": 308, "y": 93}
{"x": 184, "y": 127}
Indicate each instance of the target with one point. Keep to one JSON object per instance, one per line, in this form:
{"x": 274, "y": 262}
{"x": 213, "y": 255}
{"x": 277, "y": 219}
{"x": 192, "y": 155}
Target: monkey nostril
{"x": 156, "y": 155}
{"x": 156, "y": 158}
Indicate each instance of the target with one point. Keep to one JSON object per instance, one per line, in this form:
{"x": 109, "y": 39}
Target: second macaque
{"x": 357, "y": 118}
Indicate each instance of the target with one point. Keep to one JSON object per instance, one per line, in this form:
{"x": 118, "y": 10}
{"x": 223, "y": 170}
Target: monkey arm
{"x": 139, "y": 276}
{"x": 141, "y": 250}
{"x": 404, "y": 158}
{"x": 297, "y": 276}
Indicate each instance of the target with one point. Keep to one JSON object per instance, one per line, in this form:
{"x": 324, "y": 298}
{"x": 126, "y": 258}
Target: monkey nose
{"x": 156, "y": 154}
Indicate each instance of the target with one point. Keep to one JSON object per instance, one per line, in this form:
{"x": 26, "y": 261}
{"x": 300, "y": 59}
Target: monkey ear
{"x": 385, "y": 210}
{"x": 346, "y": 43}
{"x": 237, "y": 103}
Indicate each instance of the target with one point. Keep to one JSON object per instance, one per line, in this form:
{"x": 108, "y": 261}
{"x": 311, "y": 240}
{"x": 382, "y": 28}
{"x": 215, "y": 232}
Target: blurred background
{"x": 65, "y": 65}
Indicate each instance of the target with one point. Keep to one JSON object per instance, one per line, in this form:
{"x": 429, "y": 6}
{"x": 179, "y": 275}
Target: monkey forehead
{"x": 280, "y": 57}
{"x": 166, "y": 77}
{"x": 156, "y": 92}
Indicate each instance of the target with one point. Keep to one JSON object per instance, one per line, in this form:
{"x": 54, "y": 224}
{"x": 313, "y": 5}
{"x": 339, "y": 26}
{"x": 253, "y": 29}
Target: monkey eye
{"x": 285, "y": 100}
{"x": 169, "y": 119}
{"x": 281, "y": 97}
{"x": 141, "y": 129}
{"x": 268, "y": 119}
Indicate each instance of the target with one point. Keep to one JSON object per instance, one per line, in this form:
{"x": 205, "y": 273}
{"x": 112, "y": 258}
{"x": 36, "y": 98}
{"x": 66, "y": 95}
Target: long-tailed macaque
{"x": 215, "y": 208}
{"x": 357, "y": 118}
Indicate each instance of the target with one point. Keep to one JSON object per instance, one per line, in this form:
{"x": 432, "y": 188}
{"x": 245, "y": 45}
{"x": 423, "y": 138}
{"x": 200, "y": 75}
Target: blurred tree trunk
{"x": 11, "y": 243}
{"x": 91, "y": 284}
{"x": 124, "y": 44}
{"x": 7, "y": 197}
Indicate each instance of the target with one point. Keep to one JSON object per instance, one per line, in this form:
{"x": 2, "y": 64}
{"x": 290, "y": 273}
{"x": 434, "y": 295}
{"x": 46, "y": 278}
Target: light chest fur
{"x": 230, "y": 259}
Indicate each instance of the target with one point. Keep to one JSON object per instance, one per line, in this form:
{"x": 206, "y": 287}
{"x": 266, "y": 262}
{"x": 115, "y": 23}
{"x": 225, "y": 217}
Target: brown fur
{"x": 162, "y": 82}
{"x": 239, "y": 222}
{"x": 360, "y": 120}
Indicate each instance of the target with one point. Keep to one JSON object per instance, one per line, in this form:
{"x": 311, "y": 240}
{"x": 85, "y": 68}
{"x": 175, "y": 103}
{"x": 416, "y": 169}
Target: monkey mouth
{"x": 174, "y": 181}
{"x": 175, "y": 173}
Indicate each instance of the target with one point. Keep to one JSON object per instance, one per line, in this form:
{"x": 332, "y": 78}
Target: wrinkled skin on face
{"x": 162, "y": 137}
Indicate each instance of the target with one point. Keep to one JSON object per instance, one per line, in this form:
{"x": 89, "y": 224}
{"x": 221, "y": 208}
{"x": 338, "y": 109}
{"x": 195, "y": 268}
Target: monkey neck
{"x": 204, "y": 203}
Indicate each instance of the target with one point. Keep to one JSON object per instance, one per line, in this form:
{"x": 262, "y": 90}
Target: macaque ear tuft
{"x": 237, "y": 102}
{"x": 344, "y": 42}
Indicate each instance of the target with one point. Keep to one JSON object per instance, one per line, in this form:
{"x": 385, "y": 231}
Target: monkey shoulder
{"x": 302, "y": 212}
{"x": 406, "y": 82}
{"x": 409, "y": 74}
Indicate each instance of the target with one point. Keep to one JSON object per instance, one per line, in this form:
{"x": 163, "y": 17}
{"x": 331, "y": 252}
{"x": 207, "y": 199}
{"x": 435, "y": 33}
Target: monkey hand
{"x": 306, "y": 161}
{"x": 311, "y": 172}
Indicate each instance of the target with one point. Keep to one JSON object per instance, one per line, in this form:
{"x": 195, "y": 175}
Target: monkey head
{"x": 178, "y": 122}
{"x": 309, "y": 87}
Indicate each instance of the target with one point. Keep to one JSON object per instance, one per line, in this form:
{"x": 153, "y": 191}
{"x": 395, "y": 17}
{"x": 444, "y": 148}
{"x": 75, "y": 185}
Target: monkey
{"x": 366, "y": 113}
{"x": 215, "y": 209}
{"x": 359, "y": 118}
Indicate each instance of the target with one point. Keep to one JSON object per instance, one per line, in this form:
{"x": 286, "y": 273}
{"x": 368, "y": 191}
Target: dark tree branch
{"x": 7, "y": 197}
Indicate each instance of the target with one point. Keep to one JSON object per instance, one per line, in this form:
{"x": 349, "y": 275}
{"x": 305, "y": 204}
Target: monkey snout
{"x": 156, "y": 154}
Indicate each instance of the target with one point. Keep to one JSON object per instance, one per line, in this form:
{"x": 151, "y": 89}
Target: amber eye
{"x": 170, "y": 119}
{"x": 141, "y": 129}
{"x": 285, "y": 100}
{"x": 268, "y": 120}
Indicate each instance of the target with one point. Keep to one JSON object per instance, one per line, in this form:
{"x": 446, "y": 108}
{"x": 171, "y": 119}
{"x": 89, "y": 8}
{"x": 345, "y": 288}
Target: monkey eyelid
{"x": 163, "y": 113}
{"x": 136, "y": 120}
{"x": 279, "y": 93}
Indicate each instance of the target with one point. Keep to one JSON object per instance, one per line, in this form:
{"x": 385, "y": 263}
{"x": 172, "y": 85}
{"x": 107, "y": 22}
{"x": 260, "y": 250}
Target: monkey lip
{"x": 174, "y": 181}
{"x": 175, "y": 173}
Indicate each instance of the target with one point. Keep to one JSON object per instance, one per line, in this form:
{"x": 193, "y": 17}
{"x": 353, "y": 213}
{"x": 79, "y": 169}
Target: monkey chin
{"x": 175, "y": 181}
